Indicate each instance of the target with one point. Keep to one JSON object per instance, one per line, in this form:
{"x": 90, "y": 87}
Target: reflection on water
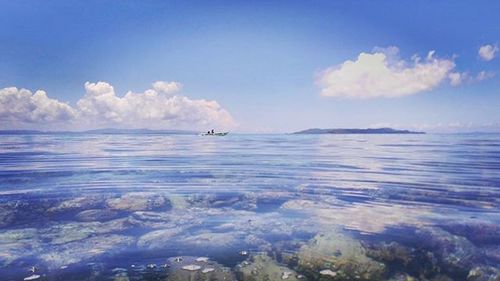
{"x": 249, "y": 207}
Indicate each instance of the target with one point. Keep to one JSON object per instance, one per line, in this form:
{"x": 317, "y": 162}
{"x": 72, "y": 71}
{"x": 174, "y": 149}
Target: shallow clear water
{"x": 365, "y": 207}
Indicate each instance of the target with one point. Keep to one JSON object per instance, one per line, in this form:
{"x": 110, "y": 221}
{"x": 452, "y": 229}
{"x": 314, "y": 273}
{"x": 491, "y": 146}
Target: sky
{"x": 250, "y": 66}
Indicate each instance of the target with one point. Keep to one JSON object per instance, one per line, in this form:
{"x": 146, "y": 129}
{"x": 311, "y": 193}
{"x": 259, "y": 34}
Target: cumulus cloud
{"x": 488, "y": 52}
{"x": 157, "y": 108}
{"x": 383, "y": 74}
{"x": 457, "y": 79}
{"x": 154, "y": 108}
{"x": 18, "y": 106}
{"x": 167, "y": 87}
{"x": 484, "y": 75}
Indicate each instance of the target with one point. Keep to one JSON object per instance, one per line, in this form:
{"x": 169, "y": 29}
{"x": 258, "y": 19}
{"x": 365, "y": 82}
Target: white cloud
{"x": 18, "y": 106}
{"x": 156, "y": 108}
{"x": 167, "y": 87}
{"x": 383, "y": 74}
{"x": 457, "y": 78}
{"x": 484, "y": 75}
{"x": 488, "y": 52}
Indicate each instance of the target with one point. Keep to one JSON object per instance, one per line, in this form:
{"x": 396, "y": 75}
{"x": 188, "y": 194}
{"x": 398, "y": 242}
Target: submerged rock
{"x": 263, "y": 225}
{"x": 187, "y": 268}
{"x": 32, "y": 277}
{"x": 390, "y": 252}
{"x": 207, "y": 270}
{"x": 158, "y": 239}
{"x": 328, "y": 272}
{"x": 162, "y": 220}
{"x": 25, "y": 211}
{"x": 478, "y": 233}
{"x": 18, "y": 235}
{"x": 178, "y": 202}
{"x": 402, "y": 277}
{"x": 263, "y": 267}
{"x": 259, "y": 243}
{"x": 78, "y": 203}
{"x": 286, "y": 275}
{"x": 492, "y": 252}
{"x": 210, "y": 241}
{"x": 455, "y": 254}
{"x": 139, "y": 201}
{"x": 90, "y": 248}
{"x": 237, "y": 201}
{"x": 484, "y": 273}
{"x": 68, "y": 232}
{"x": 341, "y": 254}
{"x": 7, "y": 216}
{"x": 96, "y": 215}
{"x": 191, "y": 267}
{"x": 121, "y": 276}
{"x": 328, "y": 213}
{"x": 416, "y": 261}
{"x": 441, "y": 277}
{"x": 17, "y": 244}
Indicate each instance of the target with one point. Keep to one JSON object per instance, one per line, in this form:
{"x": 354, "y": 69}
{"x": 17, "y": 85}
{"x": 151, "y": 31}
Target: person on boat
{"x": 208, "y": 133}
{"x": 212, "y": 131}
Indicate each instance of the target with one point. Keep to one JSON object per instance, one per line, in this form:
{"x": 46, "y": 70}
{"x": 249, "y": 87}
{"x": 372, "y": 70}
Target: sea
{"x": 98, "y": 206}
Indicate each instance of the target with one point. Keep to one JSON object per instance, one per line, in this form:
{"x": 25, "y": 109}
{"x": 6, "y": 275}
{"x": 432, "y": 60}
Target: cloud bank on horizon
{"x": 383, "y": 73}
{"x": 160, "y": 107}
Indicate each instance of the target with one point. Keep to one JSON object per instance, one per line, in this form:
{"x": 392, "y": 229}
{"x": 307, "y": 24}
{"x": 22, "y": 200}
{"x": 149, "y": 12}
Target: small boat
{"x": 215, "y": 134}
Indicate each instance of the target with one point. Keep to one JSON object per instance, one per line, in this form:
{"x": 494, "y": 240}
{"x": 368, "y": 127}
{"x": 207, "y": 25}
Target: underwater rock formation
{"x": 455, "y": 254}
{"x": 210, "y": 241}
{"x": 492, "y": 252}
{"x": 78, "y": 203}
{"x": 190, "y": 269}
{"x": 169, "y": 219}
{"x": 86, "y": 249}
{"x": 400, "y": 276}
{"x": 477, "y": 233}
{"x": 484, "y": 273}
{"x": 139, "y": 201}
{"x": 262, "y": 267}
{"x": 73, "y": 231}
{"x": 413, "y": 261}
{"x": 359, "y": 216}
{"x": 77, "y": 231}
{"x": 96, "y": 215}
{"x": 7, "y": 216}
{"x": 390, "y": 252}
{"x": 158, "y": 239}
{"x": 339, "y": 253}
{"x": 18, "y": 243}
{"x": 233, "y": 200}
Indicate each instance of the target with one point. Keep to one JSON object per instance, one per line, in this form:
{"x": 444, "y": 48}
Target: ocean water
{"x": 259, "y": 207}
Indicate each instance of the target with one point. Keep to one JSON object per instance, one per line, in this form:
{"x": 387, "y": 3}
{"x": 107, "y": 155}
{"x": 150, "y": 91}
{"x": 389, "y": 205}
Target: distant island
{"x": 316, "y": 131}
{"x": 102, "y": 131}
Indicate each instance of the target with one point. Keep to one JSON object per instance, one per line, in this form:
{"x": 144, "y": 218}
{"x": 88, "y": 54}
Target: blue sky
{"x": 270, "y": 66}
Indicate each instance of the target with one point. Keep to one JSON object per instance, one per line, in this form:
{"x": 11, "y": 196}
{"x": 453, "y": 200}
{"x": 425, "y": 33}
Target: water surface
{"x": 364, "y": 207}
